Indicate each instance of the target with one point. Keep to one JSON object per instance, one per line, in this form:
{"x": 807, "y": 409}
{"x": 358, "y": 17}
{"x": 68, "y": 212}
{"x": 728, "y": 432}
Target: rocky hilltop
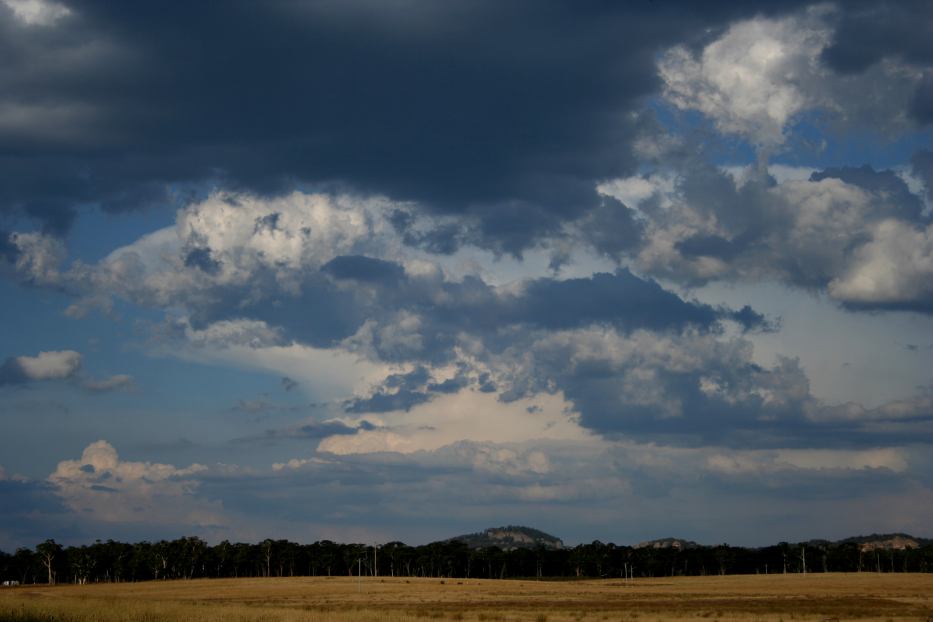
{"x": 668, "y": 543}
{"x": 886, "y": 542}
{"x": 510, "y": 538}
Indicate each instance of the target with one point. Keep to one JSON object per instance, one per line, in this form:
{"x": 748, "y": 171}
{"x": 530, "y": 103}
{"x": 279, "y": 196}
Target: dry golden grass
{"x": 769, "y": 598}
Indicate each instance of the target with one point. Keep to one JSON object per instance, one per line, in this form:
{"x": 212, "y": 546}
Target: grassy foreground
{"x": 758, "y": 597}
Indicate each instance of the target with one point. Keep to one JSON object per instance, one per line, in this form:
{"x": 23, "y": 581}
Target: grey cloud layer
{"x": 465, "y": 483}
{"x": 631, "y": 357}
{"x": 423, "y": 102}
{"x": 29, "y": 509}
{"x": 414, "y": 80}
{"x": 303, "y": 273}
{"x": 858, "y": 234}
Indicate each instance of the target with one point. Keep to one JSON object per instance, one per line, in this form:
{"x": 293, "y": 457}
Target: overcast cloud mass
{"x": 401, "y": 270}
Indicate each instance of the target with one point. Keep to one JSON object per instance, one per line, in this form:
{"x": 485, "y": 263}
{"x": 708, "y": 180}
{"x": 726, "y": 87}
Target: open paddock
{"x": 770, "y": 598}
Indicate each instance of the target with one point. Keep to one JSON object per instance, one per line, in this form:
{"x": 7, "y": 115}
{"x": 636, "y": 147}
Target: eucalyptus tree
{"x": 48, "y": 553}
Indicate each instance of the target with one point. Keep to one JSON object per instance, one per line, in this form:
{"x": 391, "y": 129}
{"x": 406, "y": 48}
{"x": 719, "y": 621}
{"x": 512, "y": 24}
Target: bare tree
{"x": 48, "y": 551}
{"x": 267, "y": 556}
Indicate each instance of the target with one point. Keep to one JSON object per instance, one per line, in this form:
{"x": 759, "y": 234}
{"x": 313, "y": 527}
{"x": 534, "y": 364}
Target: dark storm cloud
{"x": 506, "y": 111}
{"x": 921, "y": 106}
{"x": 706, "y": 419}
{"x": 869, "y": 32}
{"x": 380, "y": 402}
{"x": 400, "y": 392}
{"x": 621, "y": 299}
{"x": 320, "y": 315}
{"x": 334, "y": 303}
{"x": 700, "y": 392}
{"x": 686, "y": 392}
{"x": 405, "y": 391}
{"x": 361, "y": 268}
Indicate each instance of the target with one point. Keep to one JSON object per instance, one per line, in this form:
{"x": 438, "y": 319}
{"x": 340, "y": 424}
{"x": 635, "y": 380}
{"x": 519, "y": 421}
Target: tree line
{"x": 192, "y": 557}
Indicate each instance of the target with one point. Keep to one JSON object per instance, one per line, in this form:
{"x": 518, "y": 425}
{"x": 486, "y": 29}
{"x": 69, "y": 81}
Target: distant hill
{"x": 886, "y": 542}
{"x": 875, "y": 541}
{"x": 510, "y": 538}
{"x": 668, "y": 543}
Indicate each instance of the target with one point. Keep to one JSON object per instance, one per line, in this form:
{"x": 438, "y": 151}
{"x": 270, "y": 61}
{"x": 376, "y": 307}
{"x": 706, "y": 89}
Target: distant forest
{"x": 191, "y": 557}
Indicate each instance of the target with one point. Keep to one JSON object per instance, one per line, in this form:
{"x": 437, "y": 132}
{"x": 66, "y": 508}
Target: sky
{"x": 401, "y": 270}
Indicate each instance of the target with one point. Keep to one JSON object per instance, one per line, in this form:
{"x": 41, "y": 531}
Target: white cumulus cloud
{"x": 50, "y": 365}
{"x": 752, "y": 80}
{"x": 101, "y": 486}
{"x": 894, "y": 268}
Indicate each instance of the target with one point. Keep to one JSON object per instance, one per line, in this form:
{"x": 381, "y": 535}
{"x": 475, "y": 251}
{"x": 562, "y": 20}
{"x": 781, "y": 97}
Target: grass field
{"x": 766, "y": 598}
